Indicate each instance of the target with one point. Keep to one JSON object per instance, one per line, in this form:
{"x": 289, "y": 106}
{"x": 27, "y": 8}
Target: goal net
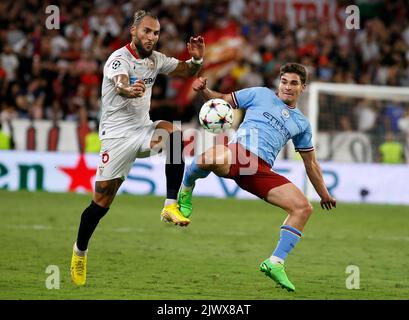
{"x": 351, "y": 122}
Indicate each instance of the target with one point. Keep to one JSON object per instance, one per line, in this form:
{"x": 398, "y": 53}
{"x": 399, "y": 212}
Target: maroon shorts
{"x": 252, "y": 173}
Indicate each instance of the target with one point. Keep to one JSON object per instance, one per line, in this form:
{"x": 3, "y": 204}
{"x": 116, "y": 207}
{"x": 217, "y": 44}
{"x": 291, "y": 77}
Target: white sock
{"x": 186, "y": 188}
{"x": 170, "y": 201}
{"x": 79, "y": 252}
{"x": 276, "y": 260}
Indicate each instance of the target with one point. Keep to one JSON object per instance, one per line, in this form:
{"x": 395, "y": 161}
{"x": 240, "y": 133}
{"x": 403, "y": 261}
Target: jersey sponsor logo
{"x": 116, "y": 64}
{"x": 149, "y": 80}
{"x": 276, "y": 124}
{"x": 133, "y": 79}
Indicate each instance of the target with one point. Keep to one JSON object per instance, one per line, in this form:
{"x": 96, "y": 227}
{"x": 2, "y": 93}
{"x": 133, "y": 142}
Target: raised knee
{"x": 304, "y": 210}
{"x": 308, "y": 209}
{"x": 207, "y": 162}
{"x": 206, "y": 165}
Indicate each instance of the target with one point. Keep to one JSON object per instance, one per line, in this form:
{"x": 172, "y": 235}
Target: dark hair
{"x": 296, "y": 68}
{"x": 140, "y": 14}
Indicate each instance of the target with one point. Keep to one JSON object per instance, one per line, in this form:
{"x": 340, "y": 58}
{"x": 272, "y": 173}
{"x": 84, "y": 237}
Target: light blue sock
{"x": 289, "y": 236}
{"x": 192, "y": 173}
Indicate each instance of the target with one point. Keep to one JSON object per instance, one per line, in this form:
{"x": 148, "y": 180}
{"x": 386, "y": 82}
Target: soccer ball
{"x": 216, "y": 115}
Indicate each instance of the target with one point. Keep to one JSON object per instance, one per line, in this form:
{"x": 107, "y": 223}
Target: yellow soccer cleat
{"x": 171, "y": 213}
{"x": 78, "y": 269}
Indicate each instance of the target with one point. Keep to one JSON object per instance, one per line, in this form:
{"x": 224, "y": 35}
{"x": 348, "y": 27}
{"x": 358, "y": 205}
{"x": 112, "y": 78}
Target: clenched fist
{"x": 199, "y": 84}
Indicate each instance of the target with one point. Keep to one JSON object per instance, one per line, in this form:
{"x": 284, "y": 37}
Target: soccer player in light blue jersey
{"x": 270, "y": 121}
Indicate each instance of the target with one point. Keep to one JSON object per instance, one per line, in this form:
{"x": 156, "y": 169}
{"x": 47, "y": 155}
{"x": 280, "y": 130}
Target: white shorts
{"x": 119, "y": 154}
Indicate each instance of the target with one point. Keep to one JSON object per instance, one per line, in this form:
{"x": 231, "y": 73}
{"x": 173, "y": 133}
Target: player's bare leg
{"x": 168, "y": 136}
{"x": 216, "y": 159}
{"x": 299, "y": 210}
{"x": 104, "y": 194}
{"x": 293, "y": 201}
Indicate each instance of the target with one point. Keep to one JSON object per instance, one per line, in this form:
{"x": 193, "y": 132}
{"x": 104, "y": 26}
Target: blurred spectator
{"x": 5, "y": 140}
{"x": 75, "y": 29}
{"x": 54, "y": 112}
{"x": 92, "y": 142}
{"x": 162, "y": 105}
{"x": 30, "y": 100}
{"x": 237, "y": 7}
{"x": 253, "y": 78}
{"x": 403, "y": 122}
{"x": 71, "y": 59}
{"x": 345, "y": 107}
{"x": 3, "y": 81}
{"x": 392, "y": 113}
{"x": 58, "y": 43}
{"x": 391, "y": 151}
{"x": 94, "y": 104}
{"x": 7, "y": 113}
{"x": 366, "y": 115}
{"x": 104, "y": 24}
{"x": 14, "y": 34}
{"x": 9, "y": 63}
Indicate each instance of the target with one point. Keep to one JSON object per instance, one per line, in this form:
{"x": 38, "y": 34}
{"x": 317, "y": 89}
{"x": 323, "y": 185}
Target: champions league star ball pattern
{"x": 216, "y": 115}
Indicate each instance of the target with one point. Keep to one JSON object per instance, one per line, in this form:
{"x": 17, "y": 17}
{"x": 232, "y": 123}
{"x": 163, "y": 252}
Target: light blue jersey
{"x": 269, "y": 123}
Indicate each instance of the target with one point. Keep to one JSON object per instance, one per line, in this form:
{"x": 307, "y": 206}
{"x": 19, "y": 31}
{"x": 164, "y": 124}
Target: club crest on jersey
{"x": 285, "y": 113}
{"x": 105, "y": 157}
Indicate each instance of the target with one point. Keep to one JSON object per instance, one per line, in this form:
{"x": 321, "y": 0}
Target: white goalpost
{"x": 312, "y": 107}
{"x": 349, "y": 90}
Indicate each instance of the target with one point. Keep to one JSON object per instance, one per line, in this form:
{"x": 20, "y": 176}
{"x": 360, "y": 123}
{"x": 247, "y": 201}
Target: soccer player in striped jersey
{"x": 127, "y": 132}
{"x": 271, "y": 119}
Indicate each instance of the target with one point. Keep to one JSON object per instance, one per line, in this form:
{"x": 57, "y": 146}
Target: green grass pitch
{"x": 133, "y": 255}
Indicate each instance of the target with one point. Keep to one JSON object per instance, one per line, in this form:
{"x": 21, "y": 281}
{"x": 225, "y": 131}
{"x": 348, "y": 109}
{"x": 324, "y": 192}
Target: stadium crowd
{"x": 56, "y": 73}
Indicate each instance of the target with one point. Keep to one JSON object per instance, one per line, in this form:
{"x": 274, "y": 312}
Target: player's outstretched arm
{"x": 200, "y": 85}
{"x": 189, "y": 68}
{"x": 123, "y": 88}
{"x": 315, "y": 175}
